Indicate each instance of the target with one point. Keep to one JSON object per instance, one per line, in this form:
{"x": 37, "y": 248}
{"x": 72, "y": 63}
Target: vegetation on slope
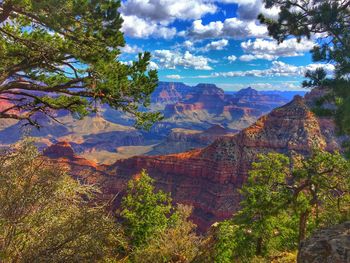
{"x": 47, "y": 216}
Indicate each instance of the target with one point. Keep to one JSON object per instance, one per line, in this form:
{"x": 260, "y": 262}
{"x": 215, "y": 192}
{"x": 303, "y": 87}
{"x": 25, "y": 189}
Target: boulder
{"x": 330, "y": 245}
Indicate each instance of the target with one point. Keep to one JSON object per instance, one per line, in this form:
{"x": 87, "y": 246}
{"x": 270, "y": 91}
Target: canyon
{"x": 209, "y": 179}
{"x": 189, "y": 111}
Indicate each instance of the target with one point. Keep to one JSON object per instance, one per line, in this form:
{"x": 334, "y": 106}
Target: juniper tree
{"x": 283, "y": 203}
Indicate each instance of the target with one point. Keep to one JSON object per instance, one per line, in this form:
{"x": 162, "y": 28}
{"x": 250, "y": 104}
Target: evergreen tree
{"x": 321, "y": 191}
{"x": 283, "y": 201}
{"x": 177, "y": 243}
{"x": 329, "y": 20}
{"x": 144, "y": 211}
{"x": 261, "y": 221}
{"x": 63, "y": 54}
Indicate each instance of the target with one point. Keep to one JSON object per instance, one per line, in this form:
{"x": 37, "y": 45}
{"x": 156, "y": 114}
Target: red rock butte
{"x": 209, "y": 179}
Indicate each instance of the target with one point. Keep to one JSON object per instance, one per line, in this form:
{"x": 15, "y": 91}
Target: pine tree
{"x": 143, "y": 210}
{"x": 63, "y": 54}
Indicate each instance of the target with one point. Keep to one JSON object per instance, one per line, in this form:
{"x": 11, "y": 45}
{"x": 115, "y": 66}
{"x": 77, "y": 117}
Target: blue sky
{"x": 209, "y": 41}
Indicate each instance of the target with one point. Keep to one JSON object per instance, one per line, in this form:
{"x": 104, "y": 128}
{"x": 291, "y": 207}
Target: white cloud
{"x": 251, "y": 57}
{"x": 237, "y": 1}
{"x": 237, "y": 28}
{"x": 278, "y": 85}
{"x": 131, "y": 49}
{"x": 271, "y": 50}
{"x": 152, "y": 65}
{"x": 249, "y": 10}
{"x": 134, "y": 26}
{"x": 173, "y": 77}
{"x": 278, "y": 69}
{"x": 230, "y": 28}
{"x": 167, "y": 11}
{"x": 128, "y": 63}
{"x": 232, "y": 58}
{"x": 171, "y": 59}
{"x": 216, "y": 45}
{"x": 211, "y": 30}
{"x": 188, "y": 44}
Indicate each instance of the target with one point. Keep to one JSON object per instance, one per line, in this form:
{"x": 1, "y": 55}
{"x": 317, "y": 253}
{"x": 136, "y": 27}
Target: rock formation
{"x": 327, "y": 245}
{"x": 209, "y": 178}
{"x": 170, "y": 92}
{"x": 207, "y": 105}
{"x": 99, "y": 137}
{"x": 181, "y": 140}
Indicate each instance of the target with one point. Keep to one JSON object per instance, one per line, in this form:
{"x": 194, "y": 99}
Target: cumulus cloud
{"x": 166, "y": 11}
{"x": 278, "y": 69}
{"x": 251, "y": 57}
{"x": 145, "y": 18}
{"x": 171, "y": 59}
{"x": 150, "y": 18}
{"x": 131, "y": 49}
{"x": 279, "y": 85}
{"x": 232, "y": 58}
{"x": 216, "y": 45}
{"x": 249, "y": 10}
{"x": 134, "y": 26}
{"x": 173, "y": 76}
{"x": 188, "y": 44}
{"x": 271, "y": 50}
{"x": 153, "y": 66}
{"x": 230, "y": 28}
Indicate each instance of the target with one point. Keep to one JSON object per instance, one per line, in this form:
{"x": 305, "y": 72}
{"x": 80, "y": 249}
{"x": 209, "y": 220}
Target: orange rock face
{"x": 209, "y": 179}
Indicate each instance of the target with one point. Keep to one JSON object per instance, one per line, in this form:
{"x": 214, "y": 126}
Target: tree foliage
{"x": 263, "y": 219}
{"x": 63, "y": 54}
{"x": 321, "y": 191}
{"x": 46, "y": 216}
{"x": 284, "y": 201}
{"x": 144, "y": 211}
{"x": 156, "y": 230}
{"x": 330, "y": 21}
{"x": 177, "y": 243}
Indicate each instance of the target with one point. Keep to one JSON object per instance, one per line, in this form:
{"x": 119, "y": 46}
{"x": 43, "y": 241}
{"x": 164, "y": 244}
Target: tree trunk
{"x": 302, "y": 225}
{"x": 6, "y": 10}
{"x": 259, "y": 244}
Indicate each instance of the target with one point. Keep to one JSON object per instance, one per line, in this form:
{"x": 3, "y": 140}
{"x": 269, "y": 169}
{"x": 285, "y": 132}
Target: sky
{"x": 214, "y": 41}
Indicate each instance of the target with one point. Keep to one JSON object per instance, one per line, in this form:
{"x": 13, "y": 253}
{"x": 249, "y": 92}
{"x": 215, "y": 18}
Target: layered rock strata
{"x": 209, "y": 178}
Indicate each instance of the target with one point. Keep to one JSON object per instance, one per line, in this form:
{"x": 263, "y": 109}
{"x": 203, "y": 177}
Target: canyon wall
{"x": 209, "y": 178}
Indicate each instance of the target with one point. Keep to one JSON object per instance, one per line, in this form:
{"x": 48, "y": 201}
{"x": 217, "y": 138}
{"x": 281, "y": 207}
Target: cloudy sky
{"x": 213, "y": 41}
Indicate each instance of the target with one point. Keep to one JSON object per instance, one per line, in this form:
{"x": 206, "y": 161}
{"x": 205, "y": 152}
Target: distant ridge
{"x": 209, "y": 178}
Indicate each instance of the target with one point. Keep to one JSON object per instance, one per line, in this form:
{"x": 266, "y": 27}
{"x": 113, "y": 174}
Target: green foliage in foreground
{"x": 177, "y": 243}
{"x": 46, "y": 216}
{"x": 281, "y": 205}
{"x": 157, "y": 231}
{"x": 144, "y": 211}
{"x": 63, "y": 54}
